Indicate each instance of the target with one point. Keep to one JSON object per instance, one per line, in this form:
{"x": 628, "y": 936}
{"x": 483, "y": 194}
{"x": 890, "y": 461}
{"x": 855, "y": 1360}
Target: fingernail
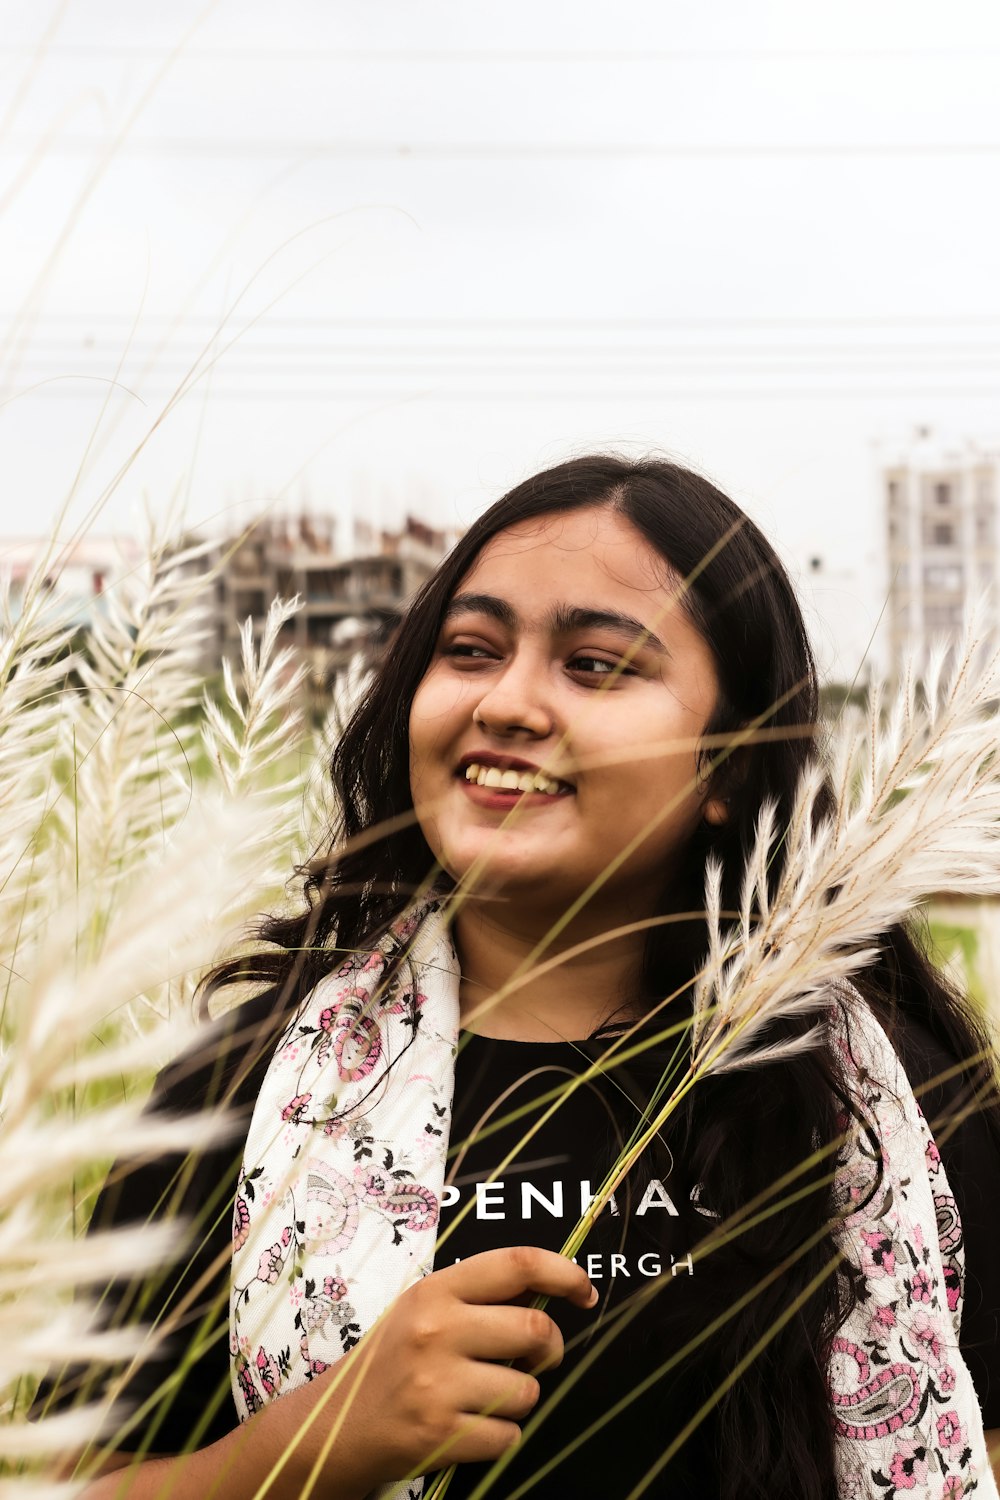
{"x": 593, "y": 1295}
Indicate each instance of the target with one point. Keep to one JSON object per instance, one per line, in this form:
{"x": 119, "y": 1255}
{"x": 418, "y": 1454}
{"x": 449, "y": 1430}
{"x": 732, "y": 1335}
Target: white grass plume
{"x": 126, "y": 743}
{"x": 263, "y": 716}
{"x": 917, "y": 788}
{"x": 94, "y": 754}
{"x": 320, "y": 812}
{"x": 258, "y": 749}
{"x": 36, "y": 640}
{"x": 122, "y": 877}
{"x": 53, "y": 1129}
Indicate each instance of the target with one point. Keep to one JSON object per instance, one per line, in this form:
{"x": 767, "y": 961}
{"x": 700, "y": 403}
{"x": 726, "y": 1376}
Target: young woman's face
{"x": 523, "y": 683}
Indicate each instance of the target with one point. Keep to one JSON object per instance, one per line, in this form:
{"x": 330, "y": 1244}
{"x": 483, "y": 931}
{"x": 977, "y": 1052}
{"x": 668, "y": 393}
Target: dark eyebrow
{"x": 569, "y": 619}
{"x": 565, "y": 620}
{"x": 482, "y": 604}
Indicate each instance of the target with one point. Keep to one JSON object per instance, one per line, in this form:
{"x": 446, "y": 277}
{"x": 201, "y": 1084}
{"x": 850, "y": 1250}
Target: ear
{"x": 715, "y": 806}
{"x": 726, "y": 779}
{"x": 715, "y": 810}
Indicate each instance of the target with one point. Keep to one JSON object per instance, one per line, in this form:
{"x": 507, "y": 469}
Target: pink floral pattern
{"x": 241, "y": 1222}
{"x": 338, "y": 1198}
{"x": 331, "y": 1212}
{"x": 343, "y": 1171}
{"x": 906, "y": 1413}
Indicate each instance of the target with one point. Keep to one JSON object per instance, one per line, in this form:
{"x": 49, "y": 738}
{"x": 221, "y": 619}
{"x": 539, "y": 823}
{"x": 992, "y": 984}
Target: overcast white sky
{"x": 448, "y": 244}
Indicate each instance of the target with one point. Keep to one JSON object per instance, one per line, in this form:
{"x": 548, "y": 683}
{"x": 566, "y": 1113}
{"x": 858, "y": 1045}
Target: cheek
{"x": 654, "y": 798}
{"x": 647, "y": 752}
{"x": 438, "y": 708}
{"x": 418, "y": 742}
{"x": 422, "y": 785}
{"x": 432, "y": 728}
{"x": 426, "y": 720}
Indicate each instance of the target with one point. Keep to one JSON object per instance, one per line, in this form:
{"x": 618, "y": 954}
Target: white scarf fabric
{"x": 338, "y": 1203}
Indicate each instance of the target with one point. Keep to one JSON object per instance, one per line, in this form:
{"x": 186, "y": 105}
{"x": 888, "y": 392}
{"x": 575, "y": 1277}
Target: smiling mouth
{"x": 514, "y": 781}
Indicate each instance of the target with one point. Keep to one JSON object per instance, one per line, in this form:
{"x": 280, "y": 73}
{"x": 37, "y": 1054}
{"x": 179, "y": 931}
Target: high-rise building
{"x": 941, "y": 503}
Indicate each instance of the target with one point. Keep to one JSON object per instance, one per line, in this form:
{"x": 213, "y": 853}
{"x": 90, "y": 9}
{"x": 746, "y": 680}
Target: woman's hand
{"x": 430, "y": 1385}
{"x": 439, "y": 1357}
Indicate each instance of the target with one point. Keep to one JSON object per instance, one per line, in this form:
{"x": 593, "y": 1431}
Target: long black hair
{"x": 741, "y": 1131}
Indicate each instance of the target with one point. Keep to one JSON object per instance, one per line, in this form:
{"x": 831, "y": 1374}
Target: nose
{"x": 517, "y": 700}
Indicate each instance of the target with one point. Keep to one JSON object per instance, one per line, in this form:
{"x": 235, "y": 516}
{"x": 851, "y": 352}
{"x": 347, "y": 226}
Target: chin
{"x": 502, "y": 881}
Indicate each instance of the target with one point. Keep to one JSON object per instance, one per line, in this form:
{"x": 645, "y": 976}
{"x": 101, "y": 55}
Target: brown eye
{"x": 598, "y": 666}
{"x": 464, "y": 651}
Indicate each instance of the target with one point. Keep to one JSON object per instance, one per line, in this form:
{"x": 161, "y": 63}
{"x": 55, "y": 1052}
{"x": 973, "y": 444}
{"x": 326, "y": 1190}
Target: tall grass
{"x": 142, "y": 824}
{"x": 122, "y": 875}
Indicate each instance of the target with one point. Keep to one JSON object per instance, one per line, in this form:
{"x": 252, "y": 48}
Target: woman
{"x": 530, "y": 791}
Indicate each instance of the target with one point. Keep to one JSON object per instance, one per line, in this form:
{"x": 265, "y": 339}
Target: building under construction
{"x": 348, "y": 603}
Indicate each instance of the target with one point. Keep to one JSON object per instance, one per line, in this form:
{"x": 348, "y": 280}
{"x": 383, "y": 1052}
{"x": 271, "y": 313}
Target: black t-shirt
{"x": 182, "y": 1396}
{"x": 637, "y": 1255}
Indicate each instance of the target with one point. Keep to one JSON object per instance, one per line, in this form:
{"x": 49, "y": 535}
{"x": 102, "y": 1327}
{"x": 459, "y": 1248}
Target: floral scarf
{"x": 344, "y": 1166}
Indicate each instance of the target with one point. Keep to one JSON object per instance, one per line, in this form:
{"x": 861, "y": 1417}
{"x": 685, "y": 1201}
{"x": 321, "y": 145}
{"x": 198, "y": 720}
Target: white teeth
{"x": 511, "y": 780}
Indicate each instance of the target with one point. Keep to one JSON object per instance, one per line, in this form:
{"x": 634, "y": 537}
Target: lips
{"x": 509, "y": 774}
{"x": 511, "y": 780}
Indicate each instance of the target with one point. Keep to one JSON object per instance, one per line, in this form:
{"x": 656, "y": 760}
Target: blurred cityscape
{"x": 351, "y": 599}
{"x": 940, "y": 549}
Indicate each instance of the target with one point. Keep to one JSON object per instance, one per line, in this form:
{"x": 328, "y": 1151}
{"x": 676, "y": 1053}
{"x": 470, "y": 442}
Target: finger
{"x": 500, "y": 1275}
{"x": 497, "y": 1390}
{"x": 476, "y": 1439}
{"x": 502, "y": 1332}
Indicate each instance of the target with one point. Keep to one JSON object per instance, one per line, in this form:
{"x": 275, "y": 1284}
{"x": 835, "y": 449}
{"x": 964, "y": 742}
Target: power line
{"x": 478, "y": 359}
{"x": 538, "y": 151}
{"x": 380, "y": 369}
{"x": 249, "y": 357}
{"x": 192, "y": 346}
{"x": 450, "y": 321}
{"x": 504, "y": 55}
{"x": 485, "y": 350}
{"x": 59, "y": 388}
